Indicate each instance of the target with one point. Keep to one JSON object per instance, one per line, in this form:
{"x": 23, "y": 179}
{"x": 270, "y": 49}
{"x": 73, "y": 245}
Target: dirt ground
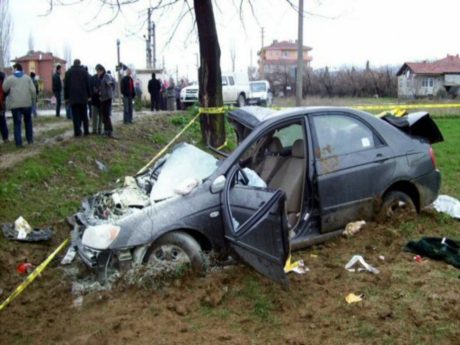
{"x": 407, "y": 303}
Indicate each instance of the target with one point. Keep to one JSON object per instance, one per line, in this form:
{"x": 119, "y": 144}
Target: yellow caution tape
{"x": 222, "y": 146}
{"x": 216, "y": 111}
{"x": 31, "y": 277}
{"x": 163, "y": 150}
{"x": 407, "y": 106}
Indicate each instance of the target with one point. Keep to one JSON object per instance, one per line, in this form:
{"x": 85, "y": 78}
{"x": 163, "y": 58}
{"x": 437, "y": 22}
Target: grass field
{"x": 407, "y": 303}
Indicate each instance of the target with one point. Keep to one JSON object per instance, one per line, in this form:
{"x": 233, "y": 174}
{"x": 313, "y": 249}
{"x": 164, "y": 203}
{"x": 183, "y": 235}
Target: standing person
{"x": 76, "y": 94}
{"x": 95, "y": 84}
{"x": 21, "y": 97}
{"x": 106, "y": 89}
{"x": 154, "y": 87}
{"x": 57, "y": 89}
{"x": 177, "y": 90}
{"x": 34, "y": 106}
{"x": 127, "y": 90}
{"x": 3, "y": 124}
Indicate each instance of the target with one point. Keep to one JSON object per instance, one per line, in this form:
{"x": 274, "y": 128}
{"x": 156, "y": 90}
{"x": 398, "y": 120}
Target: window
{"x": 224, "y": 81}
{"x": 340, "y": 134}
{"x": 288, "y": 135}
{"x": 231, "y": 81}
{"x": 428, "y": 82}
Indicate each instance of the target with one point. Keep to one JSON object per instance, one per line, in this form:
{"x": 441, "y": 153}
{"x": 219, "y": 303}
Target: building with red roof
{"x": 278, "y": 62}
{"x": 426, "y": 79}
{"x": 43, "y": 65}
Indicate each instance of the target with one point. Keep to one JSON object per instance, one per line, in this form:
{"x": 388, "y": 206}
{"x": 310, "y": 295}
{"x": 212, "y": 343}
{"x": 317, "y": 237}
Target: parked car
{"x": 260, "y": 93}
{"x": 296, "y": 178}
{"x": 235, "y": 90}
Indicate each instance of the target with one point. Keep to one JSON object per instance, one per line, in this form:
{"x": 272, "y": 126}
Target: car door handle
{"x": 379, "y": 155}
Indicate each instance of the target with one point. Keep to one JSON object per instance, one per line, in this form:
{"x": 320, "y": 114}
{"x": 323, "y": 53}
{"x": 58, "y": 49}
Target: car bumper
{"x": 428, "y": 186}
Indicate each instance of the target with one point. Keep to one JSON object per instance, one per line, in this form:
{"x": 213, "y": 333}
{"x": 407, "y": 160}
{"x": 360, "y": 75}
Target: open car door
{"x": 256, "y": 225}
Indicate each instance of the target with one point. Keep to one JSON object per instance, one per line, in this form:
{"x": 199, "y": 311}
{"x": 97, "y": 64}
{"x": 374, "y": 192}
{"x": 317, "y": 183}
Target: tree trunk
{"x": 209, "y": 74}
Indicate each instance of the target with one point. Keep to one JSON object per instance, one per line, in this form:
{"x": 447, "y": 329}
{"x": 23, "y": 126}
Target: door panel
{"x": 256, "y": 227}
{"x": 352, "y": 166}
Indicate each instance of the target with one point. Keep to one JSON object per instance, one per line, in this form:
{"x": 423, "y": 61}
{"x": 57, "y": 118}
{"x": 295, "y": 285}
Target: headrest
{"x": 298, "y": 149}
{"x": 275, "y": 146}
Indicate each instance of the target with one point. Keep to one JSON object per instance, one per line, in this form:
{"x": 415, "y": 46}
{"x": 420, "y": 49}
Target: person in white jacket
{"x": 21, "y": 96}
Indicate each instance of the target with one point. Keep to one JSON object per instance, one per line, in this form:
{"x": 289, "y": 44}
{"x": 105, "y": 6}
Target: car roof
{"x": 252, "y": 116}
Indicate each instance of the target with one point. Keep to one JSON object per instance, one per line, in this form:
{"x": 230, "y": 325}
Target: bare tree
{"x": 67, "y": 54}
{"x": 6, "y": 30}
{"x": 233, "y": 55}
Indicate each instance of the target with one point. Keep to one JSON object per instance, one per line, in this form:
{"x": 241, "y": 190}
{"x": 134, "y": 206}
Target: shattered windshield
{"x": 185, "y": 163}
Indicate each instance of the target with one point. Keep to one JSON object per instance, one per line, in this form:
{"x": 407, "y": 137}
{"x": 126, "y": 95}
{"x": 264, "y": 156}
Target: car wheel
{"x": 396, "y": 203}
{"x": 241, "y": 101}
{"x": 176, "y": 250}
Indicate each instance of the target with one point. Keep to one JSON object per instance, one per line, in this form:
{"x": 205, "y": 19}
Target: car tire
{"x": 241, "y": 101}
{"x": 395, "y": 203}
{"x": 176, "y": 248}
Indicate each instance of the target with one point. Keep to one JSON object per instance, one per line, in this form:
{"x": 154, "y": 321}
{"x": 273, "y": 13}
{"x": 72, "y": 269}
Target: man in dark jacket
{"x": 154, "y": 87}
{"x": 3, "y": 124}
{"x": 35, "y": 81}
{"x": 106, "y": 88}
{"x": 57, "y": 89}
{"x": 77, "y": 93}
{"x": 95, "y": 84}
{"x": 127, "y": 90}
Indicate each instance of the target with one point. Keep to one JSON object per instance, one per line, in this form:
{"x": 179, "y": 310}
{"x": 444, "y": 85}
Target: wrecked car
{"x": 296, "y": 178}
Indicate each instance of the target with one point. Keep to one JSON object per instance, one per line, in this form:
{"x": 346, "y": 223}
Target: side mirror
{"x": 218, "y": 184}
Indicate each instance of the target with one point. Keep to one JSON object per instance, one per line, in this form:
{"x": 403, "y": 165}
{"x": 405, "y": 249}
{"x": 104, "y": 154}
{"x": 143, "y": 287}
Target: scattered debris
{"x": 352, "y": 298}
{"x": 101, "y": 166}
{"x": 418, "y": 258}
{"x": 25, "y": 268}
{"x": 22, "y": 231}
{"x": 381, "y": 258}
{"x": 353, "y": 228}
{"x": 437, "y": 248}
{"x": 359, "y": 259}
{"x": 69, "y": 256}
{"x": 297, "y": 266}
{"x": 78, "y": 302}
{"x": 447, "y": 204}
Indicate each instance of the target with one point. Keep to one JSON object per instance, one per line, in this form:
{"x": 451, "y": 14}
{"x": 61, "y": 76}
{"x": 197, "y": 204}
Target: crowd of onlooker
{"x": 87, "y": 99}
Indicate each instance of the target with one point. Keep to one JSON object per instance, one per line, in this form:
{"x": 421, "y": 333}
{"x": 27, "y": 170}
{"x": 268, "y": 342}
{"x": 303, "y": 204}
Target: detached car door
{"x": 353, "y": 166}
{"x": 256, "y": 226}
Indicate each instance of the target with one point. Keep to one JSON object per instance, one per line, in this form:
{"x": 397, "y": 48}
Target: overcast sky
{"x": 344, "y": 32}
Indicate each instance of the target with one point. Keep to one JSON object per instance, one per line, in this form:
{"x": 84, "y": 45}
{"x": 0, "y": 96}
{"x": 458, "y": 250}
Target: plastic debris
{"x": 381, "y": 257}
{"x": 352, "y": 298}
{"x": 353, "y": 228}
{"x": 359, "y": 259}
{"x": 101, "y": 166}
{"x": 25, "y": 268}
{"x": 418, "y": 258}
{"x": 297, "y": 266}
{"x": 447, "y": 204}
{"x": 22, "y": 227}
{"x": 22, "y": 233}
{"x": 69, "y": 256}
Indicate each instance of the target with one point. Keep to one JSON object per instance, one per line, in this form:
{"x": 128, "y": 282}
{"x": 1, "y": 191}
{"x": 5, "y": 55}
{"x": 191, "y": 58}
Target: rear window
{"x": 258, "y": 87}
{"x": 339, "y": 135}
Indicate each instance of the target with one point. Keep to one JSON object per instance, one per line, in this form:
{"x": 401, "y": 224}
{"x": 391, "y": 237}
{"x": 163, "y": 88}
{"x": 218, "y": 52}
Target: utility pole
{"x": 154, "y": 45}
{"x": 148, "y": 41}
{"x": 262, "y": 69}
{"x": 299, "y": 74}
{"x": 118, "y": 66}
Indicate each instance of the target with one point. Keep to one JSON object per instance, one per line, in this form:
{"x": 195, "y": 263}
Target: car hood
{"x": 419, "y": 124}
{"x": 174, "y": 176}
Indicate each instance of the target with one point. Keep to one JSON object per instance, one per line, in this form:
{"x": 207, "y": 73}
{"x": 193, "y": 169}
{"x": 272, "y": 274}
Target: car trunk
{"x": 419, "y": 124}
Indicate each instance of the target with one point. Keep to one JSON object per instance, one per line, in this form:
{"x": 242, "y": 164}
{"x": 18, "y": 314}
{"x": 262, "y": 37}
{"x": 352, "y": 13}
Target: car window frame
{"x": 378, "y": 140}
